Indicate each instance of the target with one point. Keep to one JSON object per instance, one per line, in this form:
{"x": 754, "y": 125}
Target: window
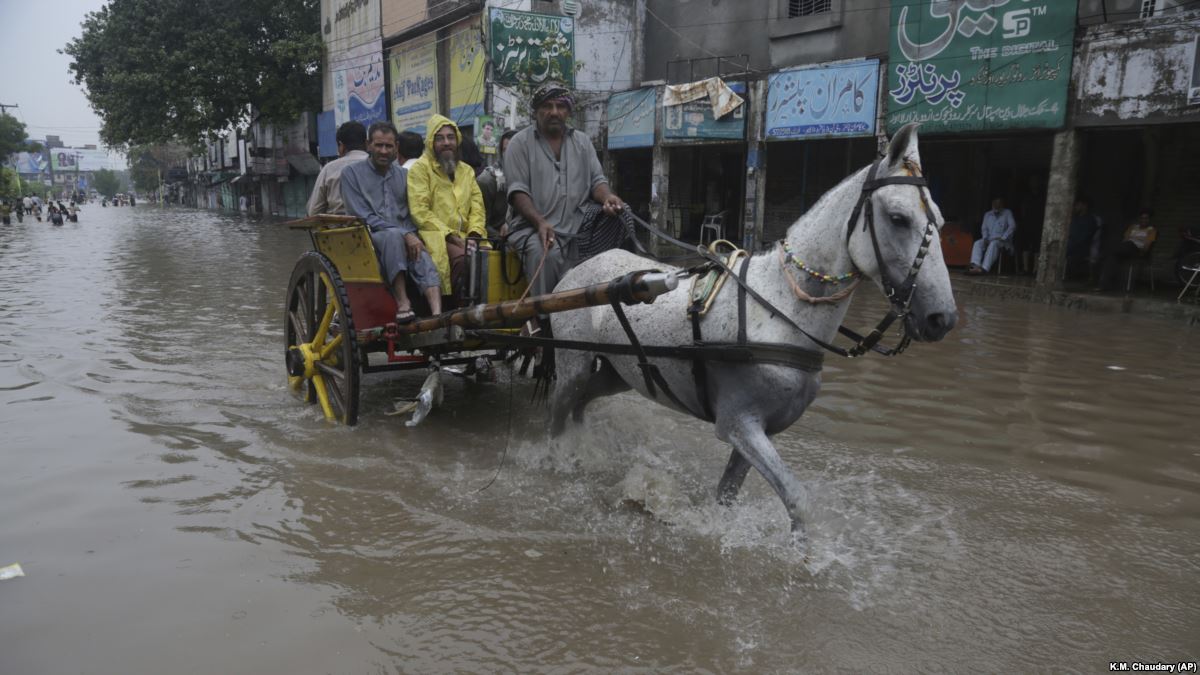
{"x": 808, "y": 7}
{"x": 1149, "y": 8}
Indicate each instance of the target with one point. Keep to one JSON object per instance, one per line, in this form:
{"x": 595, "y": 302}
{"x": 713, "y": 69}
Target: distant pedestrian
{"x": 5, "y": 212}
{"x": 999, "y": 226}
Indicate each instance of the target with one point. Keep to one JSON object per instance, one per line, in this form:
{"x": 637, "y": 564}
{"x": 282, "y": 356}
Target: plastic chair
{"x": 714, "y": 226}
{"x": 1195, "y": 270}
{"x": 1144, "y": 261}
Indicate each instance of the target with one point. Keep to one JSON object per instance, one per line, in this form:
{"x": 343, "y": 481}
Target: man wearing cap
{"x": 555, "y": 183}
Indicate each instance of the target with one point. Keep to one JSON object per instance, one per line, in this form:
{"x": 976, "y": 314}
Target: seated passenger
{"x": 375, "y": 190}
{"x": 326, "y": 196}
{"x": 446, "y": 204}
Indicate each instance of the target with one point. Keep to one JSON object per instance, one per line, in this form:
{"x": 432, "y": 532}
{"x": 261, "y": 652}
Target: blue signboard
{"x": 631, "y": 119}
{"x": 835, "y": 100}
{"x": 694, "y": 120}
{"x": 326, "y": 134}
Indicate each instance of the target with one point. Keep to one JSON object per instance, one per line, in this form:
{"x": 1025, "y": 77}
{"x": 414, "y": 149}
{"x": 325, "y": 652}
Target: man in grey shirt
{"x": 327, "y": 194}
{"x": 553, "y": 173}
{"x": 376, "y": 191}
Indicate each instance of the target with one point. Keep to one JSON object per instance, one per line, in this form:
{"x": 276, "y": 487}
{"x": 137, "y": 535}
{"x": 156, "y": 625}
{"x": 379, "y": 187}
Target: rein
{"x": 899, "y": 296}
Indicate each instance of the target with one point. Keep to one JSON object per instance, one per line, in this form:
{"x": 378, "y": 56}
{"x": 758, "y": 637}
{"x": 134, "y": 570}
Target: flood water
{"x": 1022, "y": 496}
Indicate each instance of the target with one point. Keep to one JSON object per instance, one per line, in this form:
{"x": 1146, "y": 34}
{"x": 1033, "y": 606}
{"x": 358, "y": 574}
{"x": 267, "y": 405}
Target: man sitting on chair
{"x": 375, "y": 190}
{"x": 998, "y": 230}
{"x": 1139, "y": 237}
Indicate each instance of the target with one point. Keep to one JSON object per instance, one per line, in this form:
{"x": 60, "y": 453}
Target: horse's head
{"x": 894, "y": 240}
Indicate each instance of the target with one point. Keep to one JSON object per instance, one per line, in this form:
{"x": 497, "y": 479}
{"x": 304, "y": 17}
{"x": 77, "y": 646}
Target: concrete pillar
{"x": 756, "y": 166}
{"x": 1060, "y": 198}
{"x": 660, "y": 177}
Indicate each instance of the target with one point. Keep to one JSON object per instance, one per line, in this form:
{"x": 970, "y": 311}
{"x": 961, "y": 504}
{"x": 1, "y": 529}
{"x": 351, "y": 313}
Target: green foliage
{"x": 10, "y": 183}
{"x": 106, "y": 183}
{"x": 148, "y": 163}
{"x": 156, "y": 70}
{"x": 12, "y": 135}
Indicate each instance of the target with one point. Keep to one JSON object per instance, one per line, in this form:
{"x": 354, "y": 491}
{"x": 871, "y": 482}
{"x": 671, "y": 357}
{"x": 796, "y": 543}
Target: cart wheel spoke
{"x": 319, "y": 317}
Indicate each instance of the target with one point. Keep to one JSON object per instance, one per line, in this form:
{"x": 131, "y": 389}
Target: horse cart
{"x": 340, "y": 316}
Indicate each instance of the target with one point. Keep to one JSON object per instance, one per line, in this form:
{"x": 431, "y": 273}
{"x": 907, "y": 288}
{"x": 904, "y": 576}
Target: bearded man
{"x": 564, "y": 210}
{"x": 446, "y": 203}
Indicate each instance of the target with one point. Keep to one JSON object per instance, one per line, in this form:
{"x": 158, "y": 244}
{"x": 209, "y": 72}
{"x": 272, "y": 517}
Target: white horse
{"x": 750, "y": 402}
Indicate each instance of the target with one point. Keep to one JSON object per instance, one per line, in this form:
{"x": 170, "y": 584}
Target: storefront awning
{"x": 304, "y": 164}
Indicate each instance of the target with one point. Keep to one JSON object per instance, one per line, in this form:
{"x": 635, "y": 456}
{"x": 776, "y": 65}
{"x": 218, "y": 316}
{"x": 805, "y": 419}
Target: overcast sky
{"x": 34, "y": 76}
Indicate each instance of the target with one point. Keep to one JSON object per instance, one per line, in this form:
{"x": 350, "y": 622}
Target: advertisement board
{"x": 466, "y": 53}
{"x": 528, "y": 48}
{"x": 631, "y": 119}
{"x": 358, "y": 85}
{"x": 72, "y": 159}
{"x": 414, "y": 83}
{"x": 694, "y": 120}
{"x": 834, "y": 100}
{"x": 979, "y": 65}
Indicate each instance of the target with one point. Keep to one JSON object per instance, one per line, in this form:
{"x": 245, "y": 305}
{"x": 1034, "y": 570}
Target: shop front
{"x": 706, "y": 169}
{"x": 989, "y": 102}
{"x": 630, "y": 142}
{"x": 820, "y": 128}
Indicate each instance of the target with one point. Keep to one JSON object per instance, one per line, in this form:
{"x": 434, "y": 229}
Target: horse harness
{"x": 700, "y": 352}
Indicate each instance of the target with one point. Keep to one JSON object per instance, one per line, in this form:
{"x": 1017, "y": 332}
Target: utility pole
{"x": 75, "y": 192}
{"x": 5, "y": 106}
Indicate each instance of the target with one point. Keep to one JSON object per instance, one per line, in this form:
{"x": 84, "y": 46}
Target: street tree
{"x": 12, "y": 135}
{"x": 156, "y": 70}
{"x": 149, "y": 162}
{"x": 106, "y": 183}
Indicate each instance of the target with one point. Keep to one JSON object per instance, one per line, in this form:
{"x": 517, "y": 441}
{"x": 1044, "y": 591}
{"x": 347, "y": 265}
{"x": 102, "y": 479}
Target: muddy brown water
{"x": 1023, "y": 496}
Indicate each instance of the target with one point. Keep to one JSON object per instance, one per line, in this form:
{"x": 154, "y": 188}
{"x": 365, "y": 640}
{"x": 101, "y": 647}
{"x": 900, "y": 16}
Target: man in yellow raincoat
{"x": 445, "y": 200}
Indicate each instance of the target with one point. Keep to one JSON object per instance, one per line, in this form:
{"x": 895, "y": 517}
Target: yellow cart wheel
{"x": 322, "y": 356}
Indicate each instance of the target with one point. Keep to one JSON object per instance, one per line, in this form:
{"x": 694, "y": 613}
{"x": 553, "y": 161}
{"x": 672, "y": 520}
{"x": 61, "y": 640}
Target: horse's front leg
{"x": 732, "y": 479}
{"x": 749, "y": 439}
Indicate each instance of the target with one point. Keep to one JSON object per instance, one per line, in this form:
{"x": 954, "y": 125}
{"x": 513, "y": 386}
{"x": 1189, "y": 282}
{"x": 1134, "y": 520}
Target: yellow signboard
{"x": 466, "y": 71}
{"x": 414, "y": 95}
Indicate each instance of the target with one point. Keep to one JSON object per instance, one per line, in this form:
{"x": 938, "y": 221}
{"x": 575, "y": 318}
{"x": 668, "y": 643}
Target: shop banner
{"x": 836, "y": 100}
{"x": 466, "y": 71}
{"x": 414, "y": 83}
{"x": 631, "y": 119}
{"x": 326, "y": 135}
{"x": 349, "y": 23}
{"x": 694, "y": 120}
{"x": 976, "y": 65}
{"x": 358, "y": 84}
{"x": 528, "y": 48}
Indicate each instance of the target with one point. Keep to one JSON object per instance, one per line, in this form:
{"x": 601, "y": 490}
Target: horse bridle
{"x": 899, "y": 296}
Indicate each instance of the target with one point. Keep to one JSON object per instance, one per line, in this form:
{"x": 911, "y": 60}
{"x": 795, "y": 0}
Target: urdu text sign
{"x": 976, "y": 65}
{"x": 528, "y": 48}
{"x": 836, "y": 100}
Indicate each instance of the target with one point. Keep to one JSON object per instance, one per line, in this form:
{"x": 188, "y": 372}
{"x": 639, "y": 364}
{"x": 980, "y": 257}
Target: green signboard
{"x": 978, "y": 65}
{"x": 528, "y": 48}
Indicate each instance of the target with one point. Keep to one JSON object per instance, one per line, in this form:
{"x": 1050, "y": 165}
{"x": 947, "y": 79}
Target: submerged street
{"x": 1023, "y": 495}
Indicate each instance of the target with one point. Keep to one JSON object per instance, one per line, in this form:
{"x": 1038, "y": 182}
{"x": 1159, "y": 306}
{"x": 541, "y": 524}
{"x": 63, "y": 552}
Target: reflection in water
{"x": 1024, "y": 494}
